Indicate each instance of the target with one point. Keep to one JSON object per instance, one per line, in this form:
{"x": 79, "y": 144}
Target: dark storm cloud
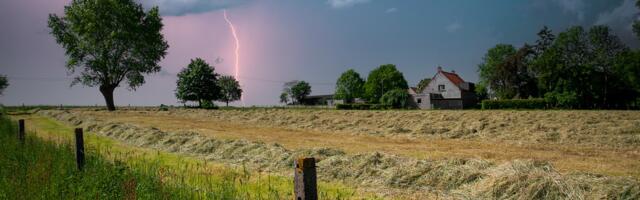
{"x": 184, "y": 7}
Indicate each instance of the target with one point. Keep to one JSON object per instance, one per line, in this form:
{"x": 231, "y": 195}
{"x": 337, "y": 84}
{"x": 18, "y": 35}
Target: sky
{"x": 284, "y": 40}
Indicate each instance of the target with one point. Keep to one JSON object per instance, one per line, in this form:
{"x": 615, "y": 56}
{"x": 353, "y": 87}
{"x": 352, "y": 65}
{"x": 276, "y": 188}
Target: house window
{"x": 419, "y": 100}
{"x": 441, "y": 88}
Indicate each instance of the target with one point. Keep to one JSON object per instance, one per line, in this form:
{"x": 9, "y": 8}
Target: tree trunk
{"x": 107, "y": 92}
{"x": 227, "y": 103}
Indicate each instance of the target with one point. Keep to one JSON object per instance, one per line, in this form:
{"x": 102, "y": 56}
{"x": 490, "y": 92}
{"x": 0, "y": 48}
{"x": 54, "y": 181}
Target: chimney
{"x": 453, "y": 71}
{"x": 439, "y": 69}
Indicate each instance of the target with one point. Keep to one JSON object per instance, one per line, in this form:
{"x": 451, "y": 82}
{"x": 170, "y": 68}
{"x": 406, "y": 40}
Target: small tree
{"x": 284, "y": 98}
{"x": 4, "y": 83}
{"x": 396, "y": 98}
{"x": 300, "y": 90}
{"x": 383, "y": 79}
{"x": 229, "y": 89}
{"x": 349, "y": 86}
{"x": 423, "y": 84}
{"x": 110, "y": 41}
{"x": 197, "y": 82}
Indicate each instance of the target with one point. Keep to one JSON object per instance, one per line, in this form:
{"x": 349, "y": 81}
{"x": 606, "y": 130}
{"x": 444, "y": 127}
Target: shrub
{"x": 361, "y": 106}
{"x": 209, "y": 105}
{"x": 562, "y": 100}
{"x": 515, "y": 104}
{"x": 396, "y": 98}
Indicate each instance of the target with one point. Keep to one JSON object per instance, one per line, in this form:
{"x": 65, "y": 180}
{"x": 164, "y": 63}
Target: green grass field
{"x": 44, "y": 168}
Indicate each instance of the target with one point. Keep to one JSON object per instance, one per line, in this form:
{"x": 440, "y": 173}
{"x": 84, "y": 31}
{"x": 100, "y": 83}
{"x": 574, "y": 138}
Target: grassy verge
{"x": 44, "y": 167}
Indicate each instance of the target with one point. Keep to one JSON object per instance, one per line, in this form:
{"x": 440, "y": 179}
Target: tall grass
{"x": 46, "y": 169}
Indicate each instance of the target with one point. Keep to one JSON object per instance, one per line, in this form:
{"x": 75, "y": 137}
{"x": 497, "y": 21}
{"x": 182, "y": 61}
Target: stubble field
{"x": 412, "y": 154}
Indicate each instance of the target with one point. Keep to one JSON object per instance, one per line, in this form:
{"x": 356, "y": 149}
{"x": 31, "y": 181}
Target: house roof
{"x": 453, "y": 77}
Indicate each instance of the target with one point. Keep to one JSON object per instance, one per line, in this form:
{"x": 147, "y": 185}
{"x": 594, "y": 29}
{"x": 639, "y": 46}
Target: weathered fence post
{"x": 305, "y": 179}
{"x": 79, "y": 149}
{"x": 21, "y": 130}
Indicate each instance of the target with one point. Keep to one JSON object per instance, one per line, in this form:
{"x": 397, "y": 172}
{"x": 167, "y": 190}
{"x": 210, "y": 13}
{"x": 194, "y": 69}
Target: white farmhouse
{"x": 445, "y": 91}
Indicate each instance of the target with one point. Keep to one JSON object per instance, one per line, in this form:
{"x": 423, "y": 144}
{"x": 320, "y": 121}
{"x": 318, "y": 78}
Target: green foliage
{"x": 562, "y": 99}
{"x": 381, "y": 80}
{"x": 514, "y": 104}
{"x": 423, "y": 84}
{"x": 229, "y": 89}
{"x": 349, "y": 86}
{"x": 362, "y": 106}
{"x": 4, "y": 83}
{"x": 300, "y": 90}
{"x": 492, "y": 72}
{"x": 209, "y": 105}
{"x": 636, "y": 23}
{"x": 396, "y": 98}
{"x": 481, "y": 91}
{"x": 198, "y": 82}
{"x": 284, "y": 98}
{"x": 580, "y": 64}
{"x": 110, "y": 41}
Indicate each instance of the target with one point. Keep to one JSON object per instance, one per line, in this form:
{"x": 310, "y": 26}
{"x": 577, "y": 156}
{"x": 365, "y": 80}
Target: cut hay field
{"x": 412, "y": 154}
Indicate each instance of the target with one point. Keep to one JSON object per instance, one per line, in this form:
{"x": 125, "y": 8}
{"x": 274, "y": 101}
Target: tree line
{"x": 384, "y": 85}
{"x": 577, "y": 68}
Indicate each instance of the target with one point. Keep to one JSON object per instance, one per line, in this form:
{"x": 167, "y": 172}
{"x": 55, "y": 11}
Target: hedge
{"x": 514, "y": 104}
{"x": 362, "y": 106}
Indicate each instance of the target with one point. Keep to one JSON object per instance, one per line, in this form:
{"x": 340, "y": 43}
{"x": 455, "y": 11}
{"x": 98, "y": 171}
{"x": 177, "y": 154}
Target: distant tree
{"x": 491, "y": 73}
{"x": 636, "y": 23}
{"x": 605, "y": 48}
{"x": 423, "y": 84}
{"x": 482, "y": 91}
{"x": 110, "y": 41}
{"x": 544, "y": 41}
{"x": 4, "y": 83}
{"x": 627, "y": 69}
{"x": 396, "y": 98}
{"x": 580, "y": 65}
{"x": 229, "y": 89}
{"x": 517, "y": 76}
{"x": 300, "y": 90}
{"x": 284, "y": 98}
{"x": 198, "y": 82}
{"x": 349, "y": 86}
{"x": 383, "y": 79}
{"x": 286, "y": 88}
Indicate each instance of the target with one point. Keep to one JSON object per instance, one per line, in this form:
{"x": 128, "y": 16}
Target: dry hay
{"x": 596, "y": 128}
{"x": 448, "y": 178}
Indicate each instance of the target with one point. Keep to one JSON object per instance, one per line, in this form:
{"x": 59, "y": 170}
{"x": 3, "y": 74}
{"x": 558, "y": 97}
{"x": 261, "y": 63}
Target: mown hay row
{"x": 448, "y": 178}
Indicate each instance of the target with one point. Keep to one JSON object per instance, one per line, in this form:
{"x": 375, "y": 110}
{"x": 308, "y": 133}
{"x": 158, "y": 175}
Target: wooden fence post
{"x": 21, "y": 130}
{"x": 79, "y": 149}
{"x": 305, "y": 179}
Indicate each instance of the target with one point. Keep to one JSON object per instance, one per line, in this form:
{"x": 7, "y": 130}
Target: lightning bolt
{"x": 235, "y": 37}
{"x": 237, "y": 50}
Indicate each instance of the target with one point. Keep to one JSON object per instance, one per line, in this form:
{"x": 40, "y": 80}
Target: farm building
{"x": 445, "y": 91}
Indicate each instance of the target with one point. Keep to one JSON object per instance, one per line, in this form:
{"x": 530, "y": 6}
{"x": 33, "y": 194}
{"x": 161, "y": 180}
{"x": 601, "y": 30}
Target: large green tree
{"x": 492, "y": 71}
{"x": 579, "y": 67}
{"x": 300, "y": 90}
{"x": 381, "y": 80}
{"x": 349, "y": 86}
{"x": 4, "y": 83}
{"x": 198, "y": 82}
{"x": 229, "y": 89}
{"x": 108, "y": 42}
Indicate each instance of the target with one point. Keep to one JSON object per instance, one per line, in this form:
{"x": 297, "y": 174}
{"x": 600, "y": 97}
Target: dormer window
{"x": 441, "y": 88}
